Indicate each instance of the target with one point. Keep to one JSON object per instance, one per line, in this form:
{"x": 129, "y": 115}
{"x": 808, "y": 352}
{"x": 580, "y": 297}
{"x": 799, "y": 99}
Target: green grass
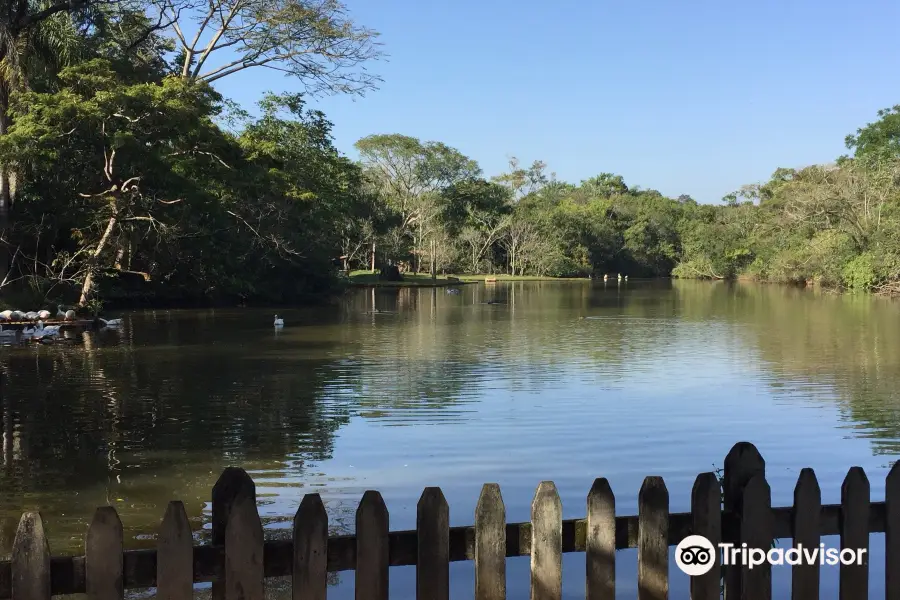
{"x": 503, "y": 277}
{"x": 369, "y": 279}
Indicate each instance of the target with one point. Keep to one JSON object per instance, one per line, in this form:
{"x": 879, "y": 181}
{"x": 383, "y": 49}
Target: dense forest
{"x": 126, "y": 177}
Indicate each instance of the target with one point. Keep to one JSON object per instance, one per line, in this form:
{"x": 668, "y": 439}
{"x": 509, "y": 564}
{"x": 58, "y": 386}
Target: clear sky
{"x": 687, "y": 97}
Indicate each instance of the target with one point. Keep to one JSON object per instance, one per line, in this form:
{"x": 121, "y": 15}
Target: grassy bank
{"x": 369, "y": 279}
{"x": 502, "y": 277}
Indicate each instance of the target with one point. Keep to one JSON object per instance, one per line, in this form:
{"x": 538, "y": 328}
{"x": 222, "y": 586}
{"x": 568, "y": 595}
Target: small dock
{"x": 77, "y": 323}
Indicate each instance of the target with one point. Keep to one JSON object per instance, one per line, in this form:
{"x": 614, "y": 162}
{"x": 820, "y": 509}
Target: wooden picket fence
{"x": 239, "y": 559}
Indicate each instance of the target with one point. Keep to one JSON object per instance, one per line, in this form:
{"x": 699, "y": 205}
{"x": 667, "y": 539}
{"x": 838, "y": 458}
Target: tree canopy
{"x": 134, "y": 180}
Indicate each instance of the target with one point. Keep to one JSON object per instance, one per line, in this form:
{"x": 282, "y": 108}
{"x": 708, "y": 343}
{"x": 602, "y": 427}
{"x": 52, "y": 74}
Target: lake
{"x": 660, "y": 378}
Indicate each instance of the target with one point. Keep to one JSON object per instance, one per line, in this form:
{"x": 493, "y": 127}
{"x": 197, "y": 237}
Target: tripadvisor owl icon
{"x": 695, "y": 555}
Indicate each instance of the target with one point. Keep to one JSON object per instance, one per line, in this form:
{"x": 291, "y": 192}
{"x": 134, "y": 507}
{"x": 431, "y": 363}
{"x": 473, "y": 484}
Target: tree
{"x": 475, "y": 211}
{"x": 409, "y": 176}
{"x": 307, "y": 187}
{"x": 314, "y": 41}
{"x": 606, "y": 184}
{"x": 38, "y": 38}
{"x": 523, "y": 181}
{"x": 121, "y": 153}
{"x": 881, "y": 138}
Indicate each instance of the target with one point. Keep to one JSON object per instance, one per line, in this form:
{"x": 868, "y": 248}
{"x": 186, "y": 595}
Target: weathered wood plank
{"x": 67, "y": 573}
{"x": 31, "y": 560}
{"x": 433, "y": 552}
{"x": 706, "y": 509}
{"x": 232, "y": 485}
{"x": 892, "y": 533}
{"x": 175, "y": 555}
{"x": 372, "y": 549}
{"x": 653, "y": 540}
{"x": 600, "y": 542}
{"x": 757, "y": 533}
{"x": 244, "y": 552}
{"x": 807, "y": 508}
{"x": 854, "y": 582}
{"x": 103, "y": 568}
{"x": 742, "y": 463}
{"x": 546, "y": 543}
{"x": 490, "y": 544}
{"x": 310, "y": 567}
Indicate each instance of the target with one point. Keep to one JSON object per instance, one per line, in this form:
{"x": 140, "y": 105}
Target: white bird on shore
{"x": 6, "y": 315}
{"x": 68, "y": 315}
{"x": 31, "y": 315}
{"x": 279, "y": 322}
{"x": 43, "y": 314}
{"x": 17, "y": 315}
{"x": 111, "y": 323}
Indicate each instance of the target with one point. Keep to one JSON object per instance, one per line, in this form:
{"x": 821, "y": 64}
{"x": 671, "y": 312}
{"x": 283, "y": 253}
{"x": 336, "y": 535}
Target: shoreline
{"x": 367, "y": 279}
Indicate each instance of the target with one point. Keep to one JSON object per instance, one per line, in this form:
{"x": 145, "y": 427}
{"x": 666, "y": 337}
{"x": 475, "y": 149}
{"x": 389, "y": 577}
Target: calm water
{"x": 661, "y": 379}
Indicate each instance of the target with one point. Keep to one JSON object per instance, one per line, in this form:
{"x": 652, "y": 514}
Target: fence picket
{"x": 310, "y": 561}
{"x": 103, "y": 569}
{"x": 433, "y": 551}
{"x": 706, "y": 515}
{"x": 490, "y": 545}
{"x": 653, "y": 540}
{"x": 855, "y": 533}
{"x": 742, "y": 463}
{"x": 233, "y": 484}
{"x": 372, "y": 559}
{"x": 806, "y": 532}
{"x": 757, "y": 531}
{"x": 892, "y": 534}
{"x": 600, "y": 542}
{"x": 175, "y": 555}
{"x": 546, "y": 543}
{"x": 30, "y": 560}
{"x": 244, "y": 552}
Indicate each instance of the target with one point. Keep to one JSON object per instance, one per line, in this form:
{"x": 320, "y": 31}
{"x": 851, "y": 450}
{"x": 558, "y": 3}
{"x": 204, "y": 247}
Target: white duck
{"x": 32, "y": 315}
{"x": 68, "y": 315}
{"x": 6, "y": 315}
{"x": 279, "y": 322}
{"x": 111, "y": 323}
{"x": 43, "y": 314}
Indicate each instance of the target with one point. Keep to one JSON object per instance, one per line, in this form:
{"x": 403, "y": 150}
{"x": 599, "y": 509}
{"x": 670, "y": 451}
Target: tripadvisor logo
{"x": 696, "y": 555}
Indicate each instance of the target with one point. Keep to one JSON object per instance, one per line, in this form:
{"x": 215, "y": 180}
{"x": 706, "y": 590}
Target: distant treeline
{"x": 124, "y": 176}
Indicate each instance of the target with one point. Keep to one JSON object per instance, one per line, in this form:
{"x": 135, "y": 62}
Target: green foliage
{"x": 859, "y": 274}
{"x": 137, "y": 181}
{"x": 881, "y": 138}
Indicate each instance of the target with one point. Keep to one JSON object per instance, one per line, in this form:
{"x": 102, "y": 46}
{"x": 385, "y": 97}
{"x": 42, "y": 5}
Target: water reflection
{"x": 397, "y": 389}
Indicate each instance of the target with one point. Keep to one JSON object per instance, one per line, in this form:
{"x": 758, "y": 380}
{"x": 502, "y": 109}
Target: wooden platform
{"x": 84, "y": 323}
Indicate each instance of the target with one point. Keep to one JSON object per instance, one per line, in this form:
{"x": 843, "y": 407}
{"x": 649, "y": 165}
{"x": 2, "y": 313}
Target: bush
{"x": 860, "y": 274}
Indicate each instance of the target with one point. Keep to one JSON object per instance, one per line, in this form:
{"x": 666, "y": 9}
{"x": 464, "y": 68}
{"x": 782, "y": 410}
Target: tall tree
{"x": 314, "y": 41}
{"x": 409, "y": 176}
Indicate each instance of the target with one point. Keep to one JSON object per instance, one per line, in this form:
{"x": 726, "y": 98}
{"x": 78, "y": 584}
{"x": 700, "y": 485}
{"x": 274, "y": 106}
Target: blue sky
{"x": 694, "y": 97}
